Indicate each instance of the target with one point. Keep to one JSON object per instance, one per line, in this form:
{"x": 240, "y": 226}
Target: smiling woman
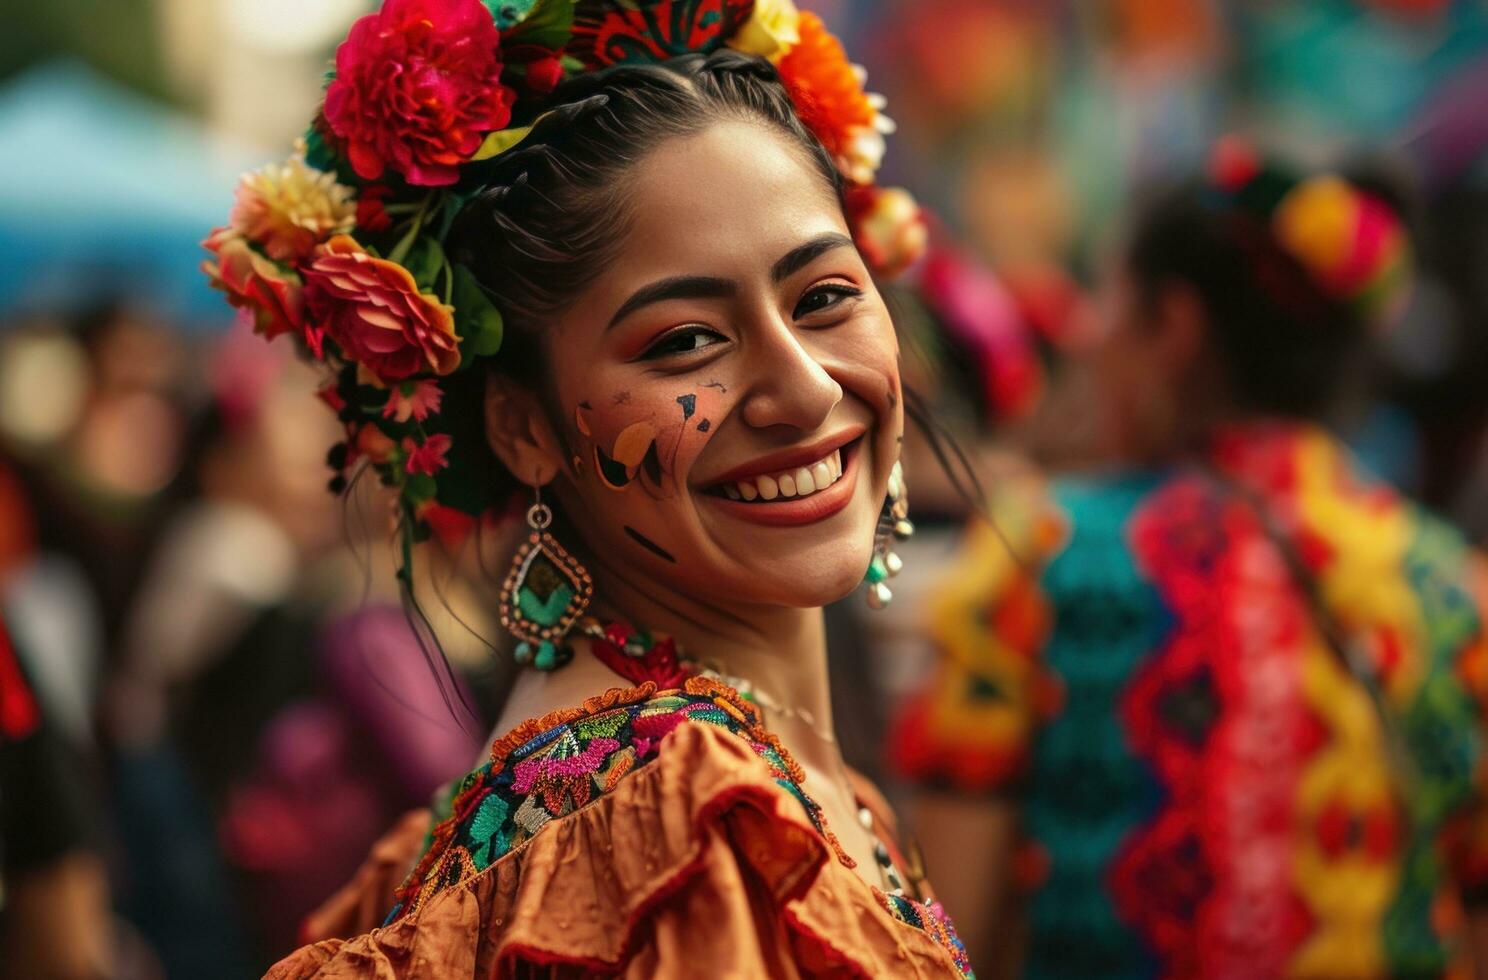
{"x": 669, "y": 339}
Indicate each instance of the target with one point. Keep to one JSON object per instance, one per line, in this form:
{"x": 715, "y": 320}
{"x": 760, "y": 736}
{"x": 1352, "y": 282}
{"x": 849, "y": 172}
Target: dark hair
{"x": 554, "y": 209}
{"x": 1286, "y": 346}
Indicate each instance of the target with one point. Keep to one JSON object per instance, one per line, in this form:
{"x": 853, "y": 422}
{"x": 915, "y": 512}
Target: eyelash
{"x": 839, "y": 290}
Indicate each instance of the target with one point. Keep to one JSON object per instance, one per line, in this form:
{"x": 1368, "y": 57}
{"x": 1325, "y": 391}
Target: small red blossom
{"x": 370, "y": 214}
{"x": 372, "y": 443}
{"x": 544, "y": 74}
{"x": 374, "y": 310}
{"x": 418, "y": 85}
{"x": 428, "y": 458}
{"x": 413, "y": 399}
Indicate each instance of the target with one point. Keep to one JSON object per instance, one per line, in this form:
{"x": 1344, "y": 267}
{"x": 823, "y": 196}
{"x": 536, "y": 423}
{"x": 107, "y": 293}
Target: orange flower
{"x": 827, "y": 90}
{"x": 374, "y": 310}
{"x": 264, "y": 288}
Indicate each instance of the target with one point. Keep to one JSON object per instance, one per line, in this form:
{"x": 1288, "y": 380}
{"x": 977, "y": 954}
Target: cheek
{"x": 646, "y": 437}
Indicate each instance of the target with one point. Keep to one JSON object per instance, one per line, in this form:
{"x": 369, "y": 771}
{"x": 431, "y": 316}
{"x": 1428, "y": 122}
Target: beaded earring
{"x": 893, "y": 524}
{"x": 545, "y": 592}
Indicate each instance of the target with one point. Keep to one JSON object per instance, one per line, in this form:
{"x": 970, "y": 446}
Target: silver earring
{"x": 893, "y": 525}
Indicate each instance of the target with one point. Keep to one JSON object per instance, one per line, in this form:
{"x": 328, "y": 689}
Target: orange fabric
{"x": 697, "y": 863}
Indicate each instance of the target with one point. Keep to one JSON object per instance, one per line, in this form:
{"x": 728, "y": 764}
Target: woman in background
{"x": 1220, "y": 714}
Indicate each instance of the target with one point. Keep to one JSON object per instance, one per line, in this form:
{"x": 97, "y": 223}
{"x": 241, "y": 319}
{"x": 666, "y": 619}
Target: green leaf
{"x": 501, "y": 141}
{"x": 476, "y": 317}
{"x": 418, "y": 488}
{"x": 425, "y": 260}
{"x": 571, "y": 64}
{"x": 548, "y": 24}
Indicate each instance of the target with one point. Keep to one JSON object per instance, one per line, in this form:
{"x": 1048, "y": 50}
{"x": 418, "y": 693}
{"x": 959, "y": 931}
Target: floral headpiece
{"x": 341, "y": 244}
{"x": 1352, "y": 243}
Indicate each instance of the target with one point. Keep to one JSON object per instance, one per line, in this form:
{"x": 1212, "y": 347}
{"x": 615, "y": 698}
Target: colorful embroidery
{"x": 610, "y": 33}
{"x": 1218, "y": 795}
{"x": 550, "y": 767}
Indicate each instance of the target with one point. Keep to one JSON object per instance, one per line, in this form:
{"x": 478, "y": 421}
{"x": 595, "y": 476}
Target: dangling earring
{"x": 893, "y": 524}
{"x": 544, "y": 593}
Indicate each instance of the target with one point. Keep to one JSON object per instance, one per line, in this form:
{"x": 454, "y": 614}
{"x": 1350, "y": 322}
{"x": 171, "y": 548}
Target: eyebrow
{"x": 803, "y": 255}
{"x": 713, "y": 287}
{"x": 677, "y": 287}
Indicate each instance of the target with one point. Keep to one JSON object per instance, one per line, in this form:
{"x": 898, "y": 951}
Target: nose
{"x": 788, "y": 385}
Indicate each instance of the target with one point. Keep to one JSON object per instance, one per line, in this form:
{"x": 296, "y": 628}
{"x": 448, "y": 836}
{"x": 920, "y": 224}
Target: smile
{"x": 793, "y": 495}
{"x": 802, "y": 481}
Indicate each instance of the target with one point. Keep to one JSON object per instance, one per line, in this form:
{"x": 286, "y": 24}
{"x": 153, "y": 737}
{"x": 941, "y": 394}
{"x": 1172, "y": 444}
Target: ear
{"x": 1180, "y": 330}
{"x": 520, "y": 434}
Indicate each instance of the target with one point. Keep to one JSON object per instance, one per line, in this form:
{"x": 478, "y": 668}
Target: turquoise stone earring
{"x": 545, "y": 592}
{"x": 893, "y": 524}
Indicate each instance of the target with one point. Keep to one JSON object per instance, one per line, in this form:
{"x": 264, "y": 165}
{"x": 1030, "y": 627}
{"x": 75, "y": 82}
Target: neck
{"x": 781, "y": 651}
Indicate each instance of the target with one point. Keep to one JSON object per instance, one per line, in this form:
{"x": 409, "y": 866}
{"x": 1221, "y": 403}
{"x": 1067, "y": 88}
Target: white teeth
{"x": 800, "y": 482}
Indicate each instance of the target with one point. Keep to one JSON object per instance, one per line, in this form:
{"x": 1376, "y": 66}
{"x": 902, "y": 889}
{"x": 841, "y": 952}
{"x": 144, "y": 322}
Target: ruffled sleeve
{"x": 700, "y": 860}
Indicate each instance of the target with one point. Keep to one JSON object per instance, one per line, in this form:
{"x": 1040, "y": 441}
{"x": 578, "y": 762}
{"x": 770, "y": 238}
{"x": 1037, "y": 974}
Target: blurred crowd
{"x": 213, "y": 699}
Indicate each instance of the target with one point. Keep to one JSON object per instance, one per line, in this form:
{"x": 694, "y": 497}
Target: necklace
{"x": 640, "y": 657}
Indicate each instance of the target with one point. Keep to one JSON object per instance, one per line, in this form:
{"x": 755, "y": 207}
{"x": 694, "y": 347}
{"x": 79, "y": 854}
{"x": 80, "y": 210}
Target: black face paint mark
{"x": 704, "y": 425}
{"x": 648, "y": 544}
{"x": 716, "y": 384}
{"x": 610, "y": 471}
{"x": 689, "y": 405}
{"x": 651, "y": 463}
{"x": 622, "y": 398}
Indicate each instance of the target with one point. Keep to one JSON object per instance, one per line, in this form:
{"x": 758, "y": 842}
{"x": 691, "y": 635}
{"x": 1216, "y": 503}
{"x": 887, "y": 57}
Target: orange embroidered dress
{"x": 651, "y": 832}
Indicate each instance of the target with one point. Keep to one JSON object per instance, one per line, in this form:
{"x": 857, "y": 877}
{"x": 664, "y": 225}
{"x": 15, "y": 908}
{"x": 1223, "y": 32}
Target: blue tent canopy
{"x": 104, "y": 193}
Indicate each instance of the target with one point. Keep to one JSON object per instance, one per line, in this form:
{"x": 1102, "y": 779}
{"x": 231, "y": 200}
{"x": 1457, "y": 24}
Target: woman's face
{"x": 728, "y": 390}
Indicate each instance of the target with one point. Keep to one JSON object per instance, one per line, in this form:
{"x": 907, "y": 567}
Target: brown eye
{"x": 824, "y": 297}
{"x": 685, "y": 341}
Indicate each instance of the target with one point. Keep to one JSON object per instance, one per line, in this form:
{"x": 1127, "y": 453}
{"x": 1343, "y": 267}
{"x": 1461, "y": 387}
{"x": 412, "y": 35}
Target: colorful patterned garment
{"x": 1207, "y": 790}
{"x": 551, "y": 770}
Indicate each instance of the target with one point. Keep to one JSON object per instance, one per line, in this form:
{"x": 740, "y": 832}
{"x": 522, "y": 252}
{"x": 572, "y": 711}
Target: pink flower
{"x": 412, "y": 399}
{"x": 417, "y": 86}
{"x": 428, "y": 458}
{"x": 374, "y": 310}
{"x": 370, "y": 214}
{"x": 270, "y": 292}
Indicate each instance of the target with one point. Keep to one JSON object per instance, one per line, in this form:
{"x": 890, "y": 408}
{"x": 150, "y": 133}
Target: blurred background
{"x": 212, "y": 701}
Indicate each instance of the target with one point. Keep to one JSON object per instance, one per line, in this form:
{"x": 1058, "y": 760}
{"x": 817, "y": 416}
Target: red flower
{"x": 269, "y": 291}
{"x": 417, "y": 86}
{"x": 374, "y": 310}
{"x": 371, "y": 442}
{"x": 413, "y": 399}
{"x": 427, "y": 459}
{"x": 370, "y": 215}
{"x": 331, "y": 396}
{"x": 544, "y": 74}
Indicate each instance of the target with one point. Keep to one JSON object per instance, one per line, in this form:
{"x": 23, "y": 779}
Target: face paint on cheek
{"x": 649, "y": 545}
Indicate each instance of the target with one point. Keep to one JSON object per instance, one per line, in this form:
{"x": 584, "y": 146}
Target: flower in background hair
{"x": 268, "y": 291}
{"x": 888, "y": 226}
{"x": 417, "y": 87}
{"x": 1351, "y": 242}
{"x": 415, "y": 400}
{"x": 828, "y": 94}
{"x": 289, "y": 208}
{"x": 374, "y": 310}
{"x": 428, "y": 458}
{"x": 773, "y": 28}
{"x": 1233, "y": 163}
{"x": 330, "y": 393}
